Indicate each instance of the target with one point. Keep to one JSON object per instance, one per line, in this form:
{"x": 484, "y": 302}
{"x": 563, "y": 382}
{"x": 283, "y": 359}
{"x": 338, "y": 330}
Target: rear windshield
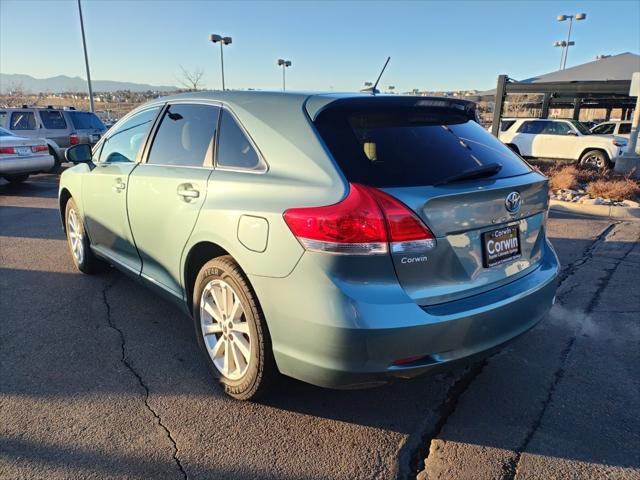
{"x": 410, "y": 146}
{"x": 86, "y": 120}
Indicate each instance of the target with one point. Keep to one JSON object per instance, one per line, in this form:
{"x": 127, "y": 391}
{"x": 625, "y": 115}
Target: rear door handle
{"x": 188, "y": 192}
{"x": 119, "y": 185}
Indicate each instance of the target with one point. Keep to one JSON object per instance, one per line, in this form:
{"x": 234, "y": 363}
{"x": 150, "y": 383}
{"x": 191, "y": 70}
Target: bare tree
{"x": 191, "y": 79}
{"x": 16, "y": 96}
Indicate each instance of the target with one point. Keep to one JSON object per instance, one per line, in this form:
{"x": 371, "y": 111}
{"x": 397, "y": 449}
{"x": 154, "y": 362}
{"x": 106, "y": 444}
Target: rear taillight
{"x": 73, "y": 139}
{"x": 39, "y": 148}
{"x": 367, "y": 221}
{"x": 7, "y": 151}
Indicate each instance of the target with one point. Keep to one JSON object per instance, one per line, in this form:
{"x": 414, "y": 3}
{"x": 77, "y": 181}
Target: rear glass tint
{"x": 410, "y": 146}
{"x": 85, "y": 121}
{"x": 53, "y": 120}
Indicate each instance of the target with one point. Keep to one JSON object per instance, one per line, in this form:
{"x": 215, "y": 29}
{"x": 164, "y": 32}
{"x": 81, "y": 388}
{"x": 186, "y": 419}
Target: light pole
{"x": 569, "y": 43}
{"x": 285, "y": 64}
{"x": 86, "y": 59}
{"x": 562, "y": 44}
{"x": 223, "y": 41}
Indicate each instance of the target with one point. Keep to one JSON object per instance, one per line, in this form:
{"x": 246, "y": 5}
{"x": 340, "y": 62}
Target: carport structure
{"x": 602, "y": 84}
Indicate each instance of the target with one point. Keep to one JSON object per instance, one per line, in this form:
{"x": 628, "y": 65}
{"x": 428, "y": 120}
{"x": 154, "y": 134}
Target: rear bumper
{"x": 335, "y": 338}
{"x": 32, "y": 164}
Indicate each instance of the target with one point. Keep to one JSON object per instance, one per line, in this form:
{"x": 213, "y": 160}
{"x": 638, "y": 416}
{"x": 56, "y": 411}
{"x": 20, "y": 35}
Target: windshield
{"x": 411, "y": 146}
{"x": 86, "y": 120}
{"x": 581, "y": 127}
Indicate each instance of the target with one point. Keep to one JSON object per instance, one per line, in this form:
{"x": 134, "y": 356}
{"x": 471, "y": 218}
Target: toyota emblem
{"x": 512, "y": 202}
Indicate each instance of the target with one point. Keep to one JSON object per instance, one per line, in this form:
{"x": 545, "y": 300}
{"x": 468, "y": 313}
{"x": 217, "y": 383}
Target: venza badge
{"x": 512, "y": 202}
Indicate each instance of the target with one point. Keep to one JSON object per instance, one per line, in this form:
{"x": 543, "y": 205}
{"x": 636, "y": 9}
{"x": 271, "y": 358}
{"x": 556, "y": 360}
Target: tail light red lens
{"x": 7, "y": 151}
{"x": 73, "y": 139}
{"x": 39, "y": 148}
{"x": 367, "y": 221}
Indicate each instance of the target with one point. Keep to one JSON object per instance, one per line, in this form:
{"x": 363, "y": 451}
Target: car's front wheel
{"x": 78, "y": 241}
{"x": 232, "y": 331}
{"x": 595, "y": 159}
{"x": 16, "y": 178}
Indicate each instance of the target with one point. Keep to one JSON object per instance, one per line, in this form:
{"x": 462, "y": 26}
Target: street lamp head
{"x": 368, "y": 84}
{"x": 215, "y": 38}
{"x": 280, "y": 61}
{"x": 227, "y": 40}
{"x": 562, "y": 18}
{"x": 562, "y": 43}
{"x": 581, "y": 16}
{"x": 287, "y": 63}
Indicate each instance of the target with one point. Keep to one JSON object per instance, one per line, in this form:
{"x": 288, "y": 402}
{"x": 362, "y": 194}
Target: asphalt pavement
{"x": 100, "y": 378}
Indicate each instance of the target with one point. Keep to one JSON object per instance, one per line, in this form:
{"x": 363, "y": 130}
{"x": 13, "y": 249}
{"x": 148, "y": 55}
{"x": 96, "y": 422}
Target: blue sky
{"x": 333, "y": 45}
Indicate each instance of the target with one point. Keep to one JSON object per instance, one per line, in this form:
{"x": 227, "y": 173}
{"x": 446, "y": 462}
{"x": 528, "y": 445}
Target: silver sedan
{"x": 20, "y": 157}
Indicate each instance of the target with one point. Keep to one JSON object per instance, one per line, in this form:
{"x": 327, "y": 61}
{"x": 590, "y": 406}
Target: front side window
{"x": 23, "y": 121}
{"x": 533, "y": 127}
{"x": 234, "y": 148}
{"x": 604, "y": 129}
{"x": 556, "y": 128}
{"x": 126, "y": 140}
{"x": 185, "y": 135}
{"x": 53, "y": 120}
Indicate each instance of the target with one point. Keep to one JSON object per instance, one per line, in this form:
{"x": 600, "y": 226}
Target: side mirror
{"x": 78, "y": 153}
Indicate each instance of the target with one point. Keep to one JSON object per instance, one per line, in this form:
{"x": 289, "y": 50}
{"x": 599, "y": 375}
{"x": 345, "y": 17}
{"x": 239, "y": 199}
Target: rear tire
{"x": 244, "y": 373}
{"x": 78, "y": 241}
{"x": 595, "y": 160}
{"x": 16, "y": 178}
{"x": 57, "y": 164}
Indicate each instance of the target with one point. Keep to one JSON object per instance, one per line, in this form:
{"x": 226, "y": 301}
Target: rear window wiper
{"x": 471, "y": 173}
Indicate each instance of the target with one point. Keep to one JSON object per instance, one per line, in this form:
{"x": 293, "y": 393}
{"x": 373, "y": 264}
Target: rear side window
{"x": 410, "y": 146}
{"x": 532, "y": 127}
{"x": 125, "y": 141}
{"x": 605, "y": 129}
{"x": 624, "y": 128}
{"x": 185, "y": 135}
{"x": 23, "y": 121}
{"x": 85, "y": 121}
{"x": 234, "y": 148}
{"x": 53, "y": 120}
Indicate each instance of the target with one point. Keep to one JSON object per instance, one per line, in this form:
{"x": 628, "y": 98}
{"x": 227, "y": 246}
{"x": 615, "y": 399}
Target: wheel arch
{"x": 196, "y": 257}
{"x": 63, "y": 198}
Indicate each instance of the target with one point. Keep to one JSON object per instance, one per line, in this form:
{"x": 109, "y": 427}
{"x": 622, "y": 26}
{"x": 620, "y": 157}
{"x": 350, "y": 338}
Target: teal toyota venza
{"x": 344, "y": 240}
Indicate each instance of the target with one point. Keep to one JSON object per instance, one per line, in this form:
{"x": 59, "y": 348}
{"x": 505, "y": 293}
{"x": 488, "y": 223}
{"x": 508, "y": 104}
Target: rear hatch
{"x": 484, "y": 204}
{"x": 87, "y": 125}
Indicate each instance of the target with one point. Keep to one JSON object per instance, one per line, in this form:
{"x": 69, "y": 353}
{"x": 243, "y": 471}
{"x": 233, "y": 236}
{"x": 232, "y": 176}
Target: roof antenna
{"x": 372, "y": 89}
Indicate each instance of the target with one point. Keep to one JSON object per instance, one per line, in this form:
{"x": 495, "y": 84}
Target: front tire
{"x": 595, "y": 160}
{"x": 78, "y": 241}
{"x": 231, "y": 330}
{"x": 16, "y": 178}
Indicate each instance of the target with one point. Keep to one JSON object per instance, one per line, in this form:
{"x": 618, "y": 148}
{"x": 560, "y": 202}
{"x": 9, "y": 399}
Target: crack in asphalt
{"x": 418, "y": 457}
{"x": 126, "y": 363}
{"x": 510, "y": 469}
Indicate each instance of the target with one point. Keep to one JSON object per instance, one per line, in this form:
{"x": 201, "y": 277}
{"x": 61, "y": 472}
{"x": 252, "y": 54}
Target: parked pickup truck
{"x": 567, "y": 140}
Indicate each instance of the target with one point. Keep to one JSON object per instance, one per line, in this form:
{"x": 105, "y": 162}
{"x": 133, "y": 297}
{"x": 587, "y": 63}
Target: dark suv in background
{"x": 60, "y": 127}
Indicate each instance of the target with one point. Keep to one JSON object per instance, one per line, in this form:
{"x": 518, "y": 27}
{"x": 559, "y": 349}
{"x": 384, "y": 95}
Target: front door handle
{"x": 119, "y": 185}
{"x": 188, "y": 192}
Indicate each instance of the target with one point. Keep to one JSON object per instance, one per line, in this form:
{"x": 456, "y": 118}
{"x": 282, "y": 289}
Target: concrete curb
{"x": 606, "y": 211}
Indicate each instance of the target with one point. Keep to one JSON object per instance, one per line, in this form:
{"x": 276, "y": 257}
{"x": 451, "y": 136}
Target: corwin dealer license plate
{"x": 501, "y": 245}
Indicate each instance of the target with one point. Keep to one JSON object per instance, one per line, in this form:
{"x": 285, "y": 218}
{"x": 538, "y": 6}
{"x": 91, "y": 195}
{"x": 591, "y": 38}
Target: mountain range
{"x": 63, "y": 83}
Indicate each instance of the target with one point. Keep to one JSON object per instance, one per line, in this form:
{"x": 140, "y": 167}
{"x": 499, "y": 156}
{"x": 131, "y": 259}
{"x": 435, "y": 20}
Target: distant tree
{"x": 16, "y": 96}
{"x": 191, "y": 79}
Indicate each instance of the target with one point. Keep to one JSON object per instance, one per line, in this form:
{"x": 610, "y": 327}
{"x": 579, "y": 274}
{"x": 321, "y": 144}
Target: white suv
{"x": 562, "y": 140}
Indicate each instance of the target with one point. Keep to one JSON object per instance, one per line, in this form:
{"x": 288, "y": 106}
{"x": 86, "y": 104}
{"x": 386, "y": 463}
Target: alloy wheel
{"x": 74, "y": 231}
{"x": 225, "y": 329}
